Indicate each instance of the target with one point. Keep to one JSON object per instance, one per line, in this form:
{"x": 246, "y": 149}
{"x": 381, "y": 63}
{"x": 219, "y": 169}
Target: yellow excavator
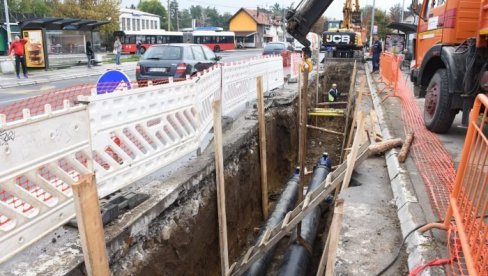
{"x": 343, "y": 37}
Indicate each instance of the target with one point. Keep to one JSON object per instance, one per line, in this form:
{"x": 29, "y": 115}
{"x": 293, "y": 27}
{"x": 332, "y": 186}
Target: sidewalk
{"x": 41, "y": 76}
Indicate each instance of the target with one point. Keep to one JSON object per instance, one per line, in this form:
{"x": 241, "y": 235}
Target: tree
{"x": 196, "y": 12}
{"x": 154, "y": 7}
{"x": 103, "y": 10}
{"x": 185, "y": 19}
{"x": 20, "y": 10}
{"x": 395, "y": 14}
{"x": 380, "y": 19}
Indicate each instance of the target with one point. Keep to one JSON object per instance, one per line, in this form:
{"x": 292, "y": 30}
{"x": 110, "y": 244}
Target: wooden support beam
{"x": 331, "y": 103}
{"x": 354, "y": 152}
{"x": 402, "y": 156}
{"x": 357, "y": 108}
{"x": 262, "y": 146}
{"x": 302, "y": 136}
{"x": 219, "y": 173}
{"x": 325, "y": 130}
{"x": 90, "y": 226}
{"x": 348, "y": 111}
{"x": 334, "y": 238}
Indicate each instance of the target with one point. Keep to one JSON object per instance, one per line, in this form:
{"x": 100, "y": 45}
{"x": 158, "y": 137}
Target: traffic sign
{"x": 112, "y": 80}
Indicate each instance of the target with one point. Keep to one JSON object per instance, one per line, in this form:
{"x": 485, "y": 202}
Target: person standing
{"x": 139, "y": 47}
{"x": 17, "y": 49}
{"x": 333, "y": 93}
{"x": 89, "y": 53}
{"x": 377, "y": 49}
{"x": 117, "y": 50}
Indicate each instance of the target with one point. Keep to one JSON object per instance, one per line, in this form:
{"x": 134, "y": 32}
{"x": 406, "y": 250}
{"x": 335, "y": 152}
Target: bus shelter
{"x": 52, "y": 39}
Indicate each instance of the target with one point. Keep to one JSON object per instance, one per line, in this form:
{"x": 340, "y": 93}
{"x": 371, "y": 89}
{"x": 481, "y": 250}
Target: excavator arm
{"x": 301, "y": 19}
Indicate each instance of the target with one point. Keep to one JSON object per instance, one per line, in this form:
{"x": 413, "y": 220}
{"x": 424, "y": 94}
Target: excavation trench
{"x": 183, "y": 239}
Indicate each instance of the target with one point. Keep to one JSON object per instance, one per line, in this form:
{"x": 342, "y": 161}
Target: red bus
{"x": 215, "y": 40}
{"x": 148, "y": 38}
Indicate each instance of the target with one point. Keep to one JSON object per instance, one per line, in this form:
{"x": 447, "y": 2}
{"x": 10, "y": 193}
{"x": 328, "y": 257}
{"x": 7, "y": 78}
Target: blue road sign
{"x": 111, "y": 80}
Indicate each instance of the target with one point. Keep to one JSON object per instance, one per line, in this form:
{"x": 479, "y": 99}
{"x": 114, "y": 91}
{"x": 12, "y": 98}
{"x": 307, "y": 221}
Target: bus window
{"x": 159, "y": 39}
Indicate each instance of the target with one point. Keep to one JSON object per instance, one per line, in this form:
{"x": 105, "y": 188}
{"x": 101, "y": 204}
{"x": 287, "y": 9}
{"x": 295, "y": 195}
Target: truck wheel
{"x": 438, "y": 115}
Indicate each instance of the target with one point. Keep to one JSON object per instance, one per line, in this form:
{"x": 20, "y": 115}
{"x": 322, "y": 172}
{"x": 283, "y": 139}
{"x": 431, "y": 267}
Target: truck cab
{"x": 449, "y": 60}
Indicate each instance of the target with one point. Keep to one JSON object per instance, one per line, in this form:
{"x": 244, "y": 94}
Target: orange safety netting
{"x": 434, "y": 163}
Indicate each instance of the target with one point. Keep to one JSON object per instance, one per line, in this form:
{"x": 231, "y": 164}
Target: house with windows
{"x": 135, "y": 20}
{"x": 254, "y": 28}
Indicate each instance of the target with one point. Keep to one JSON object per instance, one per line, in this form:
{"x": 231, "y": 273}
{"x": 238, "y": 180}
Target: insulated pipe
{"x": 297, "y": 258}
{"x": 285, "y": 204}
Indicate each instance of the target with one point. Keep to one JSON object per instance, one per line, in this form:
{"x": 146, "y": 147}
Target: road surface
{"x": 10, "y": 95}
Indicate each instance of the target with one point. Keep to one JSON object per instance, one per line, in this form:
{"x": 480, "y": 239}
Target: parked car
{"x": 279, "y": 48}
{"x": 161, "y": 62}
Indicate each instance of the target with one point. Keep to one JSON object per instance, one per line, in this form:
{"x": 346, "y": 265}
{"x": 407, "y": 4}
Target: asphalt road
{"x": 10, "y": 95}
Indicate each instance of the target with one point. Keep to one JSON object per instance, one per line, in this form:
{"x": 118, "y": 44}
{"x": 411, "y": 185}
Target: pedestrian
{"x": 89, "y": 53}
{"x": 17, "y": 49}
{"x": 333, "y": 93}
{"x": 117, "y": 50}
{"x": 377, "y": 49}
{"x": 139, "y": 47}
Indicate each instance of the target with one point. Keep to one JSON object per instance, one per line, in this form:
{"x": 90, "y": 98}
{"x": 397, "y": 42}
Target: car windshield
{"x": 164, "y": 53}
{"x": 274, "y": 46}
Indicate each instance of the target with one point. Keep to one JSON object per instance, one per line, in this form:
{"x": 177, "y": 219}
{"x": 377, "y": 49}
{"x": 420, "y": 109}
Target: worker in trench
{"x": 333, "y": 94}
{"x": 306, "y": 55}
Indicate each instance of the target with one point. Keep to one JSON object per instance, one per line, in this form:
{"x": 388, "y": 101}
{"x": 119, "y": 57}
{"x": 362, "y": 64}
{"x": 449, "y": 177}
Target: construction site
{"x": 251, "y": 168}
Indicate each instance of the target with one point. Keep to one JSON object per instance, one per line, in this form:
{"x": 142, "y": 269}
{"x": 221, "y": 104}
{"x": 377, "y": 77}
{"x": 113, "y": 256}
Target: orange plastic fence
{"x": 468, "y": 202}
{"x": 390, "y": 69}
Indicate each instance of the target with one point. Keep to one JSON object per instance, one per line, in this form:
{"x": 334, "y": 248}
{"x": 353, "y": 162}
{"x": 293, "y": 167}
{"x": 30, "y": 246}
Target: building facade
{"x": 255, "y": 28}
{"x": 135, "y": 20}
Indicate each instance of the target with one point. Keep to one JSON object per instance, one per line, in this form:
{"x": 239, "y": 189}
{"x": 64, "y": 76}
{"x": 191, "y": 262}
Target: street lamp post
{"x": 372, "y": 26}
{"x": 7, "y": 21}
{"x": 403, "y": 8}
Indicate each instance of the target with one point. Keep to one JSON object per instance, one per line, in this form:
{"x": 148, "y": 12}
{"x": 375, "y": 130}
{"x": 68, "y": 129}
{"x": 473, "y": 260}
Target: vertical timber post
{"x": 90, "y": 226}
{"x": 219, "y": 175}
{"x": 302, "y": 134}
{"x": 262, "y": 145}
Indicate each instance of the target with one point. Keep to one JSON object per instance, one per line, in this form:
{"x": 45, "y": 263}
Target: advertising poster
{"x": 34, "y": 49}
{"x": 395, "y": 43}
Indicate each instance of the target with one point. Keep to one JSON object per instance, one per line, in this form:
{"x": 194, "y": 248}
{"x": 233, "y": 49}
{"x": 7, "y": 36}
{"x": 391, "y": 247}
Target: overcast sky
{"x": 334, "y": 11}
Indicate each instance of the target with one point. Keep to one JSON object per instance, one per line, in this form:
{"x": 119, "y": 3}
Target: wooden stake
{"x": 325, "y": 130}
{"x": 402, "y": 156}
{"x": 219, "y": 172}
{"x": 334, "y": 238}
{"x": 302, "y": 137}
{"x": 90, "y": 226}
{"x": 348, "y": 111}
{"x": 262, "y": 146}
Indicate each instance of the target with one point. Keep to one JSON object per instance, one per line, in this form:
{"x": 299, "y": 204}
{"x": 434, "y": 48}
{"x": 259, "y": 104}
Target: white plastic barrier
{"x": 295, "y": 66}
{"x": 121, "y": 136}
{"x": 40, "y": 157}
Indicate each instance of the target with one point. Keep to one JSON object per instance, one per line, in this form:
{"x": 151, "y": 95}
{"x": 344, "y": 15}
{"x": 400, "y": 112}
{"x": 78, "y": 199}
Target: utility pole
{"x": 7, "y": 21}
{"x": 372, "y": 26}
{"x": 403, "y": 8}
{"x": 169, "y": 17}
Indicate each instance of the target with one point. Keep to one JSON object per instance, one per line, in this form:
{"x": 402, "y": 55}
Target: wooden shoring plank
{"x": 262, "y": 146}
{"x": 90, "y": 226}
{"x": 219, "y": 174}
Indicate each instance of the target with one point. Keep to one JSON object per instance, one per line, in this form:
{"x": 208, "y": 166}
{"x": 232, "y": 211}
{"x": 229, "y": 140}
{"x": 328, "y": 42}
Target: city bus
{"x": 148, "y": 38}
{"x": 217, "y": 41}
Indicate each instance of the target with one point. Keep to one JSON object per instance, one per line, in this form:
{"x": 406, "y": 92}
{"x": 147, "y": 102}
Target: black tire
{"x": 438, "y": 115}
{"x": 216, "y": 48}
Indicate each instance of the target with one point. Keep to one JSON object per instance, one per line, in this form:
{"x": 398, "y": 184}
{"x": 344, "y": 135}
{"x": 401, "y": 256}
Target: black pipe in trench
{"x": 285, "y": 204}
{"x": 297, "y": 258}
